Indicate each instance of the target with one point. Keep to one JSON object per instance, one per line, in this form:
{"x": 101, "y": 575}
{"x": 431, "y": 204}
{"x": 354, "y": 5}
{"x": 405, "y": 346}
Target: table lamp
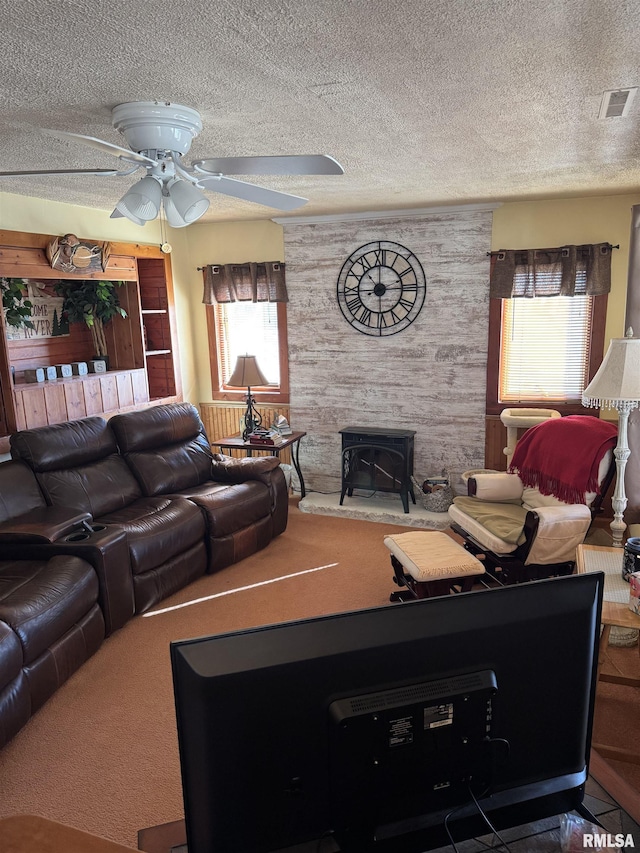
{"x": 616, "y": 385}
{"x": 245, "y": 374}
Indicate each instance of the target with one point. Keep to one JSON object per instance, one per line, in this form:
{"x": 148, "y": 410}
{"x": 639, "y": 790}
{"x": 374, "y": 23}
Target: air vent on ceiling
{"x": 616, "y": 103}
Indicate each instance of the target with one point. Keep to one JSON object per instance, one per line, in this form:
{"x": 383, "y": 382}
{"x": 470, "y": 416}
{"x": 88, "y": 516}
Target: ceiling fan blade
{"x": 252, "y": 192}
{"x": 295, "y": 164}
{"x": 101, "y": 145}
{"x": 38, "y": 172}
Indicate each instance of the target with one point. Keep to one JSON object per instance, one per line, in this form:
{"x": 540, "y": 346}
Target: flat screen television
{"x": 375, "y": 728}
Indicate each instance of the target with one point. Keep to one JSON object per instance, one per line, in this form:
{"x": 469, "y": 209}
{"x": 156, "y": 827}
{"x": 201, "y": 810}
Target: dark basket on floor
{"x": 438, "y": 501}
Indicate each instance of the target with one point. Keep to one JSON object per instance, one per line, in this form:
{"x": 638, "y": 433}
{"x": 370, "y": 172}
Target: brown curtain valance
{"x": 565, "y": 271}
{"x": 253, "y": 282}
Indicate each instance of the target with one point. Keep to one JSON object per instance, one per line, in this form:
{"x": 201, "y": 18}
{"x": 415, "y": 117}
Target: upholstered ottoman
{"x": 430, "y": 563}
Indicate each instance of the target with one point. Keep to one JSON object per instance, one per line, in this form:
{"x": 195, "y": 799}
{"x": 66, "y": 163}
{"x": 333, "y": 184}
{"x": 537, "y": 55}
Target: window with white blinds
{"x": 248, "y": 328}
{"x": 545, "y": 349}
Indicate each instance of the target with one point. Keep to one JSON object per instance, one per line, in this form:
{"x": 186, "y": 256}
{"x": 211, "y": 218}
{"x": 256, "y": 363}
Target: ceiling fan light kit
{"x": 158, "y": 135}
{"x": 189, "y": 202}
{"x": 142, "y": 201}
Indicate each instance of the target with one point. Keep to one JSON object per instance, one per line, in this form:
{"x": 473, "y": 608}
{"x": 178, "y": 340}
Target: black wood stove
{"x": 379, "y": 460}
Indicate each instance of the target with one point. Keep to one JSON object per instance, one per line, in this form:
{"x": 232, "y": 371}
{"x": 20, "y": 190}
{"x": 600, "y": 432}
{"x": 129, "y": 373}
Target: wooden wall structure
{"x": 139, "y": 374}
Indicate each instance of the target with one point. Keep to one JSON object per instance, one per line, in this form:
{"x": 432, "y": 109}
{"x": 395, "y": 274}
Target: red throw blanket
{"x": 561, "y": 456}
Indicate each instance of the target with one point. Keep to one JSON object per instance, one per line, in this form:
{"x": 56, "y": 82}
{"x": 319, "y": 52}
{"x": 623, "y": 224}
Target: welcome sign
{"x": 46, "y": 316}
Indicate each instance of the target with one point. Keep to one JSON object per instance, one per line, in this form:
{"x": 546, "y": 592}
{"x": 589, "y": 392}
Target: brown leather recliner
{"x": 29, "y": 529}
{"x": 244, "y": 502}
{"x": 50, "y": 624}
{"x": 77, "y": 465}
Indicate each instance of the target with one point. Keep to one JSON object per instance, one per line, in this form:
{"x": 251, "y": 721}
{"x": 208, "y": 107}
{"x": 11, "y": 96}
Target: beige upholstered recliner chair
{"x": 525, "y": 524}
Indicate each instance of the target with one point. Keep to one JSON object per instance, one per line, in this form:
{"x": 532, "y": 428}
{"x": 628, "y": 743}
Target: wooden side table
{"x": 615, "y": 611}
{"x": 236, "y": 442}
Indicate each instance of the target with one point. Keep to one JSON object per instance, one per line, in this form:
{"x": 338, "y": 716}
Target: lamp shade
{"x": 617, "y": 382}
{"x": 247, "y": 373}
{"x": 142, "y": 201}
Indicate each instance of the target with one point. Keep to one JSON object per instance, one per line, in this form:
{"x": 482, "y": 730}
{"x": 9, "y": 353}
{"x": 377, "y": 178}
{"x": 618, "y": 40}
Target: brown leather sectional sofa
{"x": 100, "y": 520}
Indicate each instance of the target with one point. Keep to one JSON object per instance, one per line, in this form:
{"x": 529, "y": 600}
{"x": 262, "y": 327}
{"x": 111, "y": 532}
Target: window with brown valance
{"x": 252, "y": 282}
{"x": 564, "y": 271}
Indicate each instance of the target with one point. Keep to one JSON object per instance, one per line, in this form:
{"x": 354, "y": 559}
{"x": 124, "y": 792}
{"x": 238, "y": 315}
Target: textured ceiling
{"x": 423, "y": 102}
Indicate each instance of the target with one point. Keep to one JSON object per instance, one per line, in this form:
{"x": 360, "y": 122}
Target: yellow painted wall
{"x": 557, "y": 222}
{"x": 220, "y": 243}
{"x": 516, "y": 225}
{"x": 38, "y": 216}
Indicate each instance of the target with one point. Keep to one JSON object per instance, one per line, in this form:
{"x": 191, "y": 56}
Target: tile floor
{"x": 544, "y": 836}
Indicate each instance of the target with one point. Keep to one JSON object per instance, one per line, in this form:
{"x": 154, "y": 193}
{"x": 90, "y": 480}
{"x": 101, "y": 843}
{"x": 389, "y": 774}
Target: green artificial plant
{"x": 91, "y": 302}
{"x": 17, "y": 309}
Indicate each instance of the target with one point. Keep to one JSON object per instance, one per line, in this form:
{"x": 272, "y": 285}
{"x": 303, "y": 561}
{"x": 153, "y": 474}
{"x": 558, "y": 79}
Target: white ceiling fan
{"x": 159, "y": 134}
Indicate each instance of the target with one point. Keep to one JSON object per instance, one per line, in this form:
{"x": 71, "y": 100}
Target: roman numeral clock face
{"x": 381, "y": 288}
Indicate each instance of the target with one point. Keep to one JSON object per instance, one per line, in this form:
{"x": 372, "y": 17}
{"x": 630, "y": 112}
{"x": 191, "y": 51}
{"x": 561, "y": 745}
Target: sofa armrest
{"x": 496, "y": 487}
{"x": 559, "y": 531}
{"x": 105, "y": 548}
{"x": 42, "y": 524}
{"x": 226, "y": 469}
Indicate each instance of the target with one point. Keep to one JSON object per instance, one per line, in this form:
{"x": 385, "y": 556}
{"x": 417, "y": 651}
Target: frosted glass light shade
{"x": 142, "y": 201}
{"x": 189, "y": 201}
{"x": 116, "y": 214}
{"x": 173, "y": 217}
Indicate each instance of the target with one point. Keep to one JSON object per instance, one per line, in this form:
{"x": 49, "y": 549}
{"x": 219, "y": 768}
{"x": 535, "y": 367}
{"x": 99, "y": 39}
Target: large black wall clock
{"x": 381, "y": 288}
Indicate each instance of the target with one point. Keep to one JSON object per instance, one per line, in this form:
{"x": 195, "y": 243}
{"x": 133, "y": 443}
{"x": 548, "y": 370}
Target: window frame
{"x": 262, "y": 394}
{"x": 596, "y": 353}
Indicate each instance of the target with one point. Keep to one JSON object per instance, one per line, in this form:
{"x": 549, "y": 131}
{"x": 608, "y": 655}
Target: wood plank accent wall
{"x": 431, "y": 377}
{"x": 222, "y": 421}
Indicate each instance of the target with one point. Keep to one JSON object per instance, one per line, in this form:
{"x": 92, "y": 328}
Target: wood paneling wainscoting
{"x": 495, "y": 442}
{"x": 223, "y": 419}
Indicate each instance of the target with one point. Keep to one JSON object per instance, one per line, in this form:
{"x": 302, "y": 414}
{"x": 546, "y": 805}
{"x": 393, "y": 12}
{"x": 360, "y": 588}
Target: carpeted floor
{"x": 102, "y": 754}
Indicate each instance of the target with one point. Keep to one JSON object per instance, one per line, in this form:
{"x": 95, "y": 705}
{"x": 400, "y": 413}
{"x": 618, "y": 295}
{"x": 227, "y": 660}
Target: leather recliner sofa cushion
{"x": 77, "y": 464}
{"x": 168, "y": 450}
{"x": 15, "y": 704}
{"x": 51, "y": 607}
{"x": 158, "y": 530}
{"x": 165, "y": 447}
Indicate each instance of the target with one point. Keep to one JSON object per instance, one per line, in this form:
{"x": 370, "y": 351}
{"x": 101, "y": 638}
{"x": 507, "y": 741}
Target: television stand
{"x": 172, "y": 838}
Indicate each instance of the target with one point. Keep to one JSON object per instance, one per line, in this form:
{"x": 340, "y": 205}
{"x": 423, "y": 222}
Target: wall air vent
{"x": 616, "y": 103}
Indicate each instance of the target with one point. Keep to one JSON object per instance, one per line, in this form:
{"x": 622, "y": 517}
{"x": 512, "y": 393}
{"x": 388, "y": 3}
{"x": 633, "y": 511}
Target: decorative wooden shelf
{"x": 65, "y": 380}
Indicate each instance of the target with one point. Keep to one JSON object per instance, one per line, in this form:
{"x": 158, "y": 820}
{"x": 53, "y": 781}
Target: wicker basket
{"x": 438, "y": 501}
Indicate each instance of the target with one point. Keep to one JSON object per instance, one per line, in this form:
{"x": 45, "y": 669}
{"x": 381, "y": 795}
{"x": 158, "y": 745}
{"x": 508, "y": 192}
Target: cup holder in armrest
{"x": 84, "y": 533}
{"x": 78, "y": 536}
